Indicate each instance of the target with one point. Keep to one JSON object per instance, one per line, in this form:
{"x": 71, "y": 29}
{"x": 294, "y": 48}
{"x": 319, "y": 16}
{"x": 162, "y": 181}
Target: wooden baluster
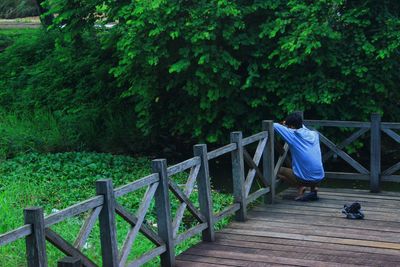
{"x": 108, "y": 230}
{"x": 269, "y": 160}
{"x": 163, "y": 207}
{"x": 35, "y": 242}
{"x": 204, "y": 187}
{"x": 375, "y": 167}
{"x": 238, "y": 176}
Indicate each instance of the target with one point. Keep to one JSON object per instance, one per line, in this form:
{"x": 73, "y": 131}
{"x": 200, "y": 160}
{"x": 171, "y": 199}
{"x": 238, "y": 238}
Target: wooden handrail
{"x": 104, "y": 207}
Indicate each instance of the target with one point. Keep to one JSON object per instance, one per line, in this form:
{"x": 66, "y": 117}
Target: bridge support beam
{"x": 204, "y": 186}
{"x": 269, "y": 160}
{"x": 239, "y": 192}
{"x": 375, "y": 157}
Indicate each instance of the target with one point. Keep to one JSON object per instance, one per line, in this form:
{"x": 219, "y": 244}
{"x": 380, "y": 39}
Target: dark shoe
{"x": 311, "y": 196}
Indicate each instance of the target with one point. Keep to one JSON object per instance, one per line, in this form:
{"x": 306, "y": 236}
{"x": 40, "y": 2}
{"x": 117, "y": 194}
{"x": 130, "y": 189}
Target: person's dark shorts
{"x": 306, "y": 183}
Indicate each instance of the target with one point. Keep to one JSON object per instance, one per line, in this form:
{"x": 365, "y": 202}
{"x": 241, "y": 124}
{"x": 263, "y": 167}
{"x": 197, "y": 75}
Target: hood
{"x": 307, "y": 135}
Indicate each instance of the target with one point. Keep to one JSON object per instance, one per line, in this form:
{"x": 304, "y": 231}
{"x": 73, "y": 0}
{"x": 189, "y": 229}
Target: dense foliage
{"x": 56, "y": 181}
{"x": 199, "y": 69}
{"x": 17, "y": 8}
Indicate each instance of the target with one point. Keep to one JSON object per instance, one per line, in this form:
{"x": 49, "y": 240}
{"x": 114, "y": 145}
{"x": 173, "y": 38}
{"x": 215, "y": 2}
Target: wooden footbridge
{"x": 274, "y": 232}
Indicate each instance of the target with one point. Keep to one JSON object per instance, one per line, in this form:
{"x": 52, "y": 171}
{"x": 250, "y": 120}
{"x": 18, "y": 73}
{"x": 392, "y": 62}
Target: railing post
{"x": 163, "y": 207}
{"x": 269, "y": 160}
{"x": 375, "y": 157}
{"x": 238, "y": 176}
{"x": 204, "y": 187}
{"x": 108, "y": 230}
{"x": 69, "y": 262}
{"x": 35, "y": 242}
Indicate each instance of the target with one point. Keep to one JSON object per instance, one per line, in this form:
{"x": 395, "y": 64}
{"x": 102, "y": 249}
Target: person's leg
{"x": 288, "y": 176}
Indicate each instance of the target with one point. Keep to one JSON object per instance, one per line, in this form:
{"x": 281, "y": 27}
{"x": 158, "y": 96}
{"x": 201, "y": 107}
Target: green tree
{"x": 203, "y": 68}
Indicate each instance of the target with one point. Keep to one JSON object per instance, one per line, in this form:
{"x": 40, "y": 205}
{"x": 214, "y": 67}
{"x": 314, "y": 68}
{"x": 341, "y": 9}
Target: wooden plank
{"x": 147, "y": 256}
{"x": 322, "y": 239}
{"x": 255, "y": 137}
{"x": 187, "y": 203}
{"x": 87, "y": 228}
{"x": 369, "y": 216}
{"x": 358, "y": 191}
{"x": 358, "y": 234}
{"x": 190, "y": 233}
{"x": 67, "y": 248}
{"x": 108, "y": 229}
{"x": 35, "y": 242}
{"x": 204, "y": 196}
{"x": 16, "y": 234}
{"x": 341, "y": 124}
{"x": 144, "y": 229}
{"x": 346, "y": 176}
{"x": 163, "y": 208}
{"x": 390, "y": 178}
{"x": 390, "y": 125}
{"x": 391, "y": 169}
{"x": 238, "y": 176}
{"x": 131, "y": 187}
{"x": 69, "y": 262}
{"x": 221, "y": 151}
{"x": 392, "y": 134}
{"x": 211, "y": 260}
{"x": 269, "y": 160}
{"x": 302, "y": 244}
{"x": 347, "y": 198}
{"x": 132, "y": 234}
{"x": 255, "y": 195}
{"x": 184, "y": 198}
{"x": 73, "y": 210}
{"x": 333, "y": 206}
{"x": 332, "y": 223}
{"x": 252, "y": 173}
{"x": 345, "y": 142}
{"x": 253, "y": 163}
{"x": 183, "y": 166}
{"x": 226, "y": 212}
{"x": 224, "y": 261}
{"x": 350, "y": 194}
{"x": 349, "y": 257}
{"x": 183, "y": 263}
{"x": 375, "y": 154}
{"x": 340, "y": 201}
{"x": 343, "y": 155}
{"x": 281, "y": 159}
{"x": 257, "y": 255}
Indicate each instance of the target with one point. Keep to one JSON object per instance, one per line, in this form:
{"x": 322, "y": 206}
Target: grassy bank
{"x": 56, "y": 181}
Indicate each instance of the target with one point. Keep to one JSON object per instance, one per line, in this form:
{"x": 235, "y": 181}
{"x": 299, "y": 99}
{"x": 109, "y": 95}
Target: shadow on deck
{"x": 291, "y": 233}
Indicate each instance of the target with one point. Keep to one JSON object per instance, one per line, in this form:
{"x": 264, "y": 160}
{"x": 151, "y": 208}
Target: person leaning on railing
{"x": 307, "y": 169}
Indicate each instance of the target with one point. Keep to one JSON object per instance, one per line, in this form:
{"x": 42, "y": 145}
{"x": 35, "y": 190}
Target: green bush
{"x": 32, "y": 132}
{"x": 40, "y": 71}
{"x": 10, "y": 9}
{"x": 195, "y": 71}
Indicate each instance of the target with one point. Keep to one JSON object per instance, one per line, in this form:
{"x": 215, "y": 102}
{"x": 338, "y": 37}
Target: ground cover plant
{"x": 56, "y": 181}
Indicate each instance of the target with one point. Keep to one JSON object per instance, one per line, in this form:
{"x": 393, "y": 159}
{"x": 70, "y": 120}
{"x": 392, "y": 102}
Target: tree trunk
{"x": 46, "y": 20}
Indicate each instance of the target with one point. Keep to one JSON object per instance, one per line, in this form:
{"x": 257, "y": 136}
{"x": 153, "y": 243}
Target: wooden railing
{"x": 373, "y": 172}
{"x": 105, "y": 206}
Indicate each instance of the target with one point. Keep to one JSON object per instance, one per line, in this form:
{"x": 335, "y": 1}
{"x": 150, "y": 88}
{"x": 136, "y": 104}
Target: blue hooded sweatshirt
{"x": 306, "y": 152}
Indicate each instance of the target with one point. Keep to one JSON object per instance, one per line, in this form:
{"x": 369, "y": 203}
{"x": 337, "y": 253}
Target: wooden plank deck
{"x": 291, "y": 233}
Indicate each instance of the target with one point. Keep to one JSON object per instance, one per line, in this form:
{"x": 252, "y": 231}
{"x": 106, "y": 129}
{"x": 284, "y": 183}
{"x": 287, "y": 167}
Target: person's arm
{"x": 286, "y": 133}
